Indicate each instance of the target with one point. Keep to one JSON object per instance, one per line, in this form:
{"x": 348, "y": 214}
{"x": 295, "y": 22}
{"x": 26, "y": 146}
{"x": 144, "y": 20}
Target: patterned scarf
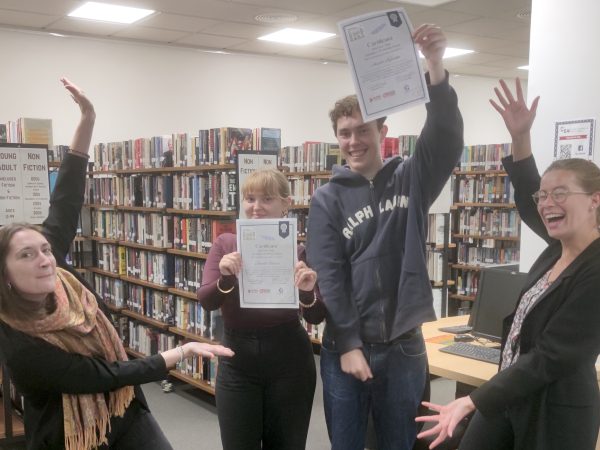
{"x": 79, "y": 326}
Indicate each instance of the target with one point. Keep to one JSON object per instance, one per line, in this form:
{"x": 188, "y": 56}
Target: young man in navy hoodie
{"x": 367, "y": 232}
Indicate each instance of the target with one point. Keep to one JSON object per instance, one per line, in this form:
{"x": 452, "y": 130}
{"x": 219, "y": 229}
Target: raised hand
{"x": 230, "y": 264}
{"x": 304, "y": 277}
{"x": 85, "y": 105}
{"x": 432, "y": 43}
{"x": 517, "y": 116}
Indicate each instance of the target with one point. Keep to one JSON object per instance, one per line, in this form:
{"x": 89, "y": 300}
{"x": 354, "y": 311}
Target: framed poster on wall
{"x": 24, "y": 185}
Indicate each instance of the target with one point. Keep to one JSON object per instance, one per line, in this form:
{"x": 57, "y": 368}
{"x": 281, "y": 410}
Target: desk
{"x": 463, "y": 370}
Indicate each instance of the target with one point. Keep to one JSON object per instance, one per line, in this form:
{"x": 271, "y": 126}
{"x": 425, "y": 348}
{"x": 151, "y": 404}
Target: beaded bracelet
{"x": 311, "y": 304}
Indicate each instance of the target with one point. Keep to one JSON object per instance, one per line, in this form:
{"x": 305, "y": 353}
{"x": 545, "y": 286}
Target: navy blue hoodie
{"x": 366, "y": 239}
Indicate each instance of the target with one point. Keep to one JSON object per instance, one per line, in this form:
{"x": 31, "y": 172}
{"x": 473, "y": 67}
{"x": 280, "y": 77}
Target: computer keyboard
{"x": 479, "y": 352}
{"x": 457, "y": 329}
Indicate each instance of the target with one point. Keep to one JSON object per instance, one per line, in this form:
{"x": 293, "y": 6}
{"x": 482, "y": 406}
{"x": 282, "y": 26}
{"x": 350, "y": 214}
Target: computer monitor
{"x": 497, "y": 295}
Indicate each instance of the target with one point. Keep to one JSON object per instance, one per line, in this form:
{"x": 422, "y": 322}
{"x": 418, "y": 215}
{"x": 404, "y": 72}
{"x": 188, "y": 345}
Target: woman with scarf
{"x": 62, "y": 352}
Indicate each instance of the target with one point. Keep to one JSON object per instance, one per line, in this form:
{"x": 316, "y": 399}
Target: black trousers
{"x": 484, "y": 433}
{"x": 265, "y": 392}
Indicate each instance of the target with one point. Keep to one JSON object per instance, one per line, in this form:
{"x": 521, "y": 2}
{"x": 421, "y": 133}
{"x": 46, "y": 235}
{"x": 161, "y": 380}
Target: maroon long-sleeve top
{"x": 235, "y": 317}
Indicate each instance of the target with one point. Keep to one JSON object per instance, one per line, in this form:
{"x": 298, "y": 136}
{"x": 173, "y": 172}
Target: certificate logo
{"x": 394, "y": 19}
{"x": 284, "y": 229}
{"x": 355, "y": 33}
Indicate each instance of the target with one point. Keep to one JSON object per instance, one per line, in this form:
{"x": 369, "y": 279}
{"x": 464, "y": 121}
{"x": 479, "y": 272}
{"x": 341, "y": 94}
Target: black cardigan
{"x": 551, "y": 392}
{"x": 43, "y": 372}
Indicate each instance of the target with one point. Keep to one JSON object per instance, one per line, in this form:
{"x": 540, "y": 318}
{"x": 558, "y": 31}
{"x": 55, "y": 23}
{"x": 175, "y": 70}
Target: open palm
{"x": 517, "y": 116}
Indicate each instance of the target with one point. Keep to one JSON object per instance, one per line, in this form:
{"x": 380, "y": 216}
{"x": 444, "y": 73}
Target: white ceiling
{"x": 490, "y": 27}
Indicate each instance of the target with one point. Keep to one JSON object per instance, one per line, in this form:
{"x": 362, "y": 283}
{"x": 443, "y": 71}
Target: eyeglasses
{"x": 559, "y": 195}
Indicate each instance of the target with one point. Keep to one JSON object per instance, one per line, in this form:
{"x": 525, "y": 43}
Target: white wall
{"x": 564, "y": 72}
{"x": 143, "y": 90}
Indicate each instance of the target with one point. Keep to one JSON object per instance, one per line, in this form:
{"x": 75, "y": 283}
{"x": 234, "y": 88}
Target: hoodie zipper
{"x": 377, "y": 274}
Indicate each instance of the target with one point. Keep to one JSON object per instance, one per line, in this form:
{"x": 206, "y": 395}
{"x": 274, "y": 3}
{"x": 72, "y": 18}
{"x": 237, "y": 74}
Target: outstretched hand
{"x": 85, "y": 105}
{"x": 206, "y": 350}
{"x": 517, "y": 116}
{"x": 447, "y": 418}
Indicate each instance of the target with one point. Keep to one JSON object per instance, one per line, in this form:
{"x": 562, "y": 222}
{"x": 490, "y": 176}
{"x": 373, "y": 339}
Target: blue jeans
{"x": 393, "y": 394}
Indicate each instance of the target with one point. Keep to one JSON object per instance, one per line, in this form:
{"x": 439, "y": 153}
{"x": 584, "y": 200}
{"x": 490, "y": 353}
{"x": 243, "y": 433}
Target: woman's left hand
{"x": 304, "y": 277}
{"x": 447, "y": 418}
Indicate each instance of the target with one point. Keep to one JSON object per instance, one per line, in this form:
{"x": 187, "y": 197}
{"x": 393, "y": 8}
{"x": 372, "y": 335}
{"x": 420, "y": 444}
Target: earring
{"x": 9, "y": 286}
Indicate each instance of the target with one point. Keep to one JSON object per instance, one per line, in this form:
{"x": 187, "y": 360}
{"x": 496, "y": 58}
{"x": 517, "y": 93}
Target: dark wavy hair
{"x": 11, "y": 303}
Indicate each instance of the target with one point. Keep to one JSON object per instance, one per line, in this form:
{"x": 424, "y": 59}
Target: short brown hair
{"x": 268, "y": 181}
{"x": 586, "y": 172}
{"x": 345, "y": 107}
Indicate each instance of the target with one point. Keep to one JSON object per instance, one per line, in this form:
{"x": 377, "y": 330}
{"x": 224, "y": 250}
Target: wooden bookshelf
{"x": 203, "y": 385}
{"x": 148, "y": 320}
{"x": 18, "y": 427}
{"x": 191, "y": 336}
{"x": 182, "y": 293}
{"x": 176, "y": 251}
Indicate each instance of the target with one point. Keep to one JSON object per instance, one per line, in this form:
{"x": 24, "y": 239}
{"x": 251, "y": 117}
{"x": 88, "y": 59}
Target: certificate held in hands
{"x": 269, "y": 254}
{"x": 387, "y": 74}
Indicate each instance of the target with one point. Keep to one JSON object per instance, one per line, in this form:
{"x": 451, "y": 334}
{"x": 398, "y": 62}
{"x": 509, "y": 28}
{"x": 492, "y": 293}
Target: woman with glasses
{"x": 545, "y": 395}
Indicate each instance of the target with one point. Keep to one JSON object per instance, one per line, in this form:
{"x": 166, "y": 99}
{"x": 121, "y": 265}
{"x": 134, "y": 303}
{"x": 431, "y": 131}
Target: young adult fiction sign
{"x": 24, "y": 185}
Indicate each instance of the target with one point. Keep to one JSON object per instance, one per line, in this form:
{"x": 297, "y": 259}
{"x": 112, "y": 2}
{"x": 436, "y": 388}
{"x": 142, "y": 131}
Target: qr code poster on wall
{"x": 574, "y": 139}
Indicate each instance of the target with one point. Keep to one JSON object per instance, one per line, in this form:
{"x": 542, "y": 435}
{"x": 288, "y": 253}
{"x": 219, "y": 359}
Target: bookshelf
{"x": 152, "y": 228}
{"x": 485, "y": 224}
{"x": 439, "y": 249}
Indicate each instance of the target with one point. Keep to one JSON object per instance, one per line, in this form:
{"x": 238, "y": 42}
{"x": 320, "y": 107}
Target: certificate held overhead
{"x": 384, "y": 62}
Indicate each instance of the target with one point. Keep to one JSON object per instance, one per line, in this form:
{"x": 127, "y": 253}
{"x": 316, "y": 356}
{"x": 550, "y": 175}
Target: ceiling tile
{"x": 53, "y": 7}
{"x": 211, "y": 41}
{"x": 312, "y": 6}
{"x": 177, "y": 22}
{"x": 89, "y": 27}
{"x": 25, "y": 19}
{"x": 239, "y": 30}
{"x": 150, "y": 34}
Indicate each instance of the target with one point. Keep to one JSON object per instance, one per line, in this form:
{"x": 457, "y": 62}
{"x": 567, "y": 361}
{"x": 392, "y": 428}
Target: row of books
{"x": 208, "y": 147}
{"x": 435, "y": 265}
{"x": 500, "y": 252}
{"x": 302, "y": 189}
{"x": 484, "y": 157}
{"x": 311, "y": 156}
{"x": 401, "y": 146}
{"x": 27, "y": 130}
{"x": 196, "y": 234}
{"x": 170, "y": 309}
{"x": 435, "y": 230}
{"x": 479, "y": 221}
{"x": 314, "y": 331}
{"x": 213, "y": 191}
{"x": 192, "y": 234}
{"x": 188, "y": 273}
{"x": 485, "y": 189}
{"x": 149, "y": 341}
{"x": 149, "y": 302}
{"x": 301, "y": 217}
{"x": 467, "y": 282}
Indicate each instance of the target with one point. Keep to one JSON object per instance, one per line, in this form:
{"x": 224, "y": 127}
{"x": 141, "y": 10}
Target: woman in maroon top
{"x": 264, "y": 393}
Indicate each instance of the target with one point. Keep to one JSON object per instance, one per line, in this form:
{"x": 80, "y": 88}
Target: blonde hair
{"x": 268, "y": 181}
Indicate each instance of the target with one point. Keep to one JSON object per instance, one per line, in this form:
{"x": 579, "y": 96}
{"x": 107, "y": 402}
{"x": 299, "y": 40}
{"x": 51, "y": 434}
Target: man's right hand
{"x": 355, "y": 364}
